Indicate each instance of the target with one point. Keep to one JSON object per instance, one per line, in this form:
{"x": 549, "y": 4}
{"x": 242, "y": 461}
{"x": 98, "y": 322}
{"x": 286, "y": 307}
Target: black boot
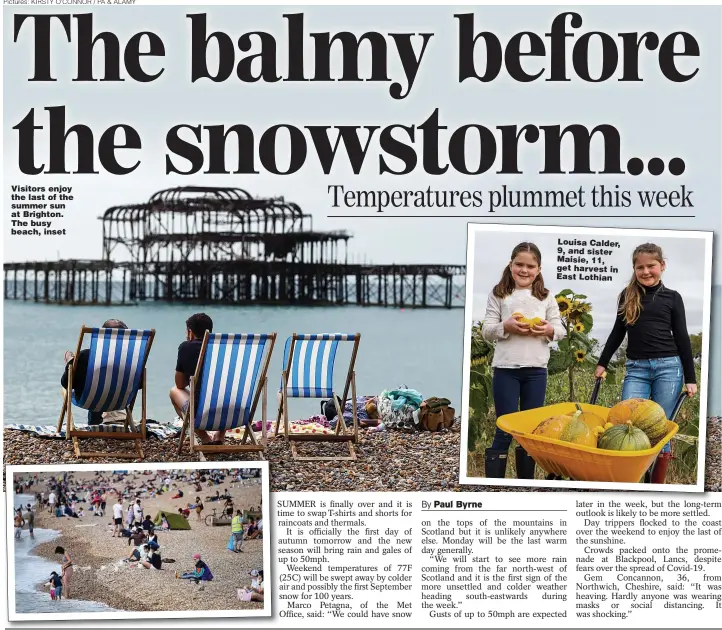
{"x": 495, "y": 463}
{"x": 525, "y": 464}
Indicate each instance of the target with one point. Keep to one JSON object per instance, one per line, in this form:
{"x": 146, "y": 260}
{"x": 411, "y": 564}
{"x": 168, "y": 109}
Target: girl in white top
{"x": 522, "y": 317}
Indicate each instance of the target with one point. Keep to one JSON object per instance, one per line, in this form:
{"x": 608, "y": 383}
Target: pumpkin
{"x": 552, "y": 427}
{"x": 592, "y": 420}
{"x": 577, "y": 431}
{"x": 531, "y": 321}
{"x": 624, "y": 437}
{"x": 646, "y": 415}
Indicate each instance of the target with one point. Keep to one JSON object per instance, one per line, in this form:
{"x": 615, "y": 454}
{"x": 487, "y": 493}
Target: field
{"x": 683, "y": 469}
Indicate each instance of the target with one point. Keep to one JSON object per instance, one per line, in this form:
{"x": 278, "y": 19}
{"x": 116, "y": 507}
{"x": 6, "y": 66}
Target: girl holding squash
{"x": 659, "y": 352}
{"x": 522, "y": 317}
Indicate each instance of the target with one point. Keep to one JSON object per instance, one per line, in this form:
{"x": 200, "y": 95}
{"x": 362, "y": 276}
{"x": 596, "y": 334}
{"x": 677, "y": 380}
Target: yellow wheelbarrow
{"x": 582, "y": 463}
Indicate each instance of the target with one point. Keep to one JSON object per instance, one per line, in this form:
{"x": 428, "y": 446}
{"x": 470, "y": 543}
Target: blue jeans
{"x": 516, "y": 390}
{"x": 660, "y": 380}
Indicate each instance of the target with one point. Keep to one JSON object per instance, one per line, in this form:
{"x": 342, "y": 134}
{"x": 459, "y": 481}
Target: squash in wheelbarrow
{"x": 644, "y": 414}
{"x": 552, "y": 427}
{"x": 624, "y": 437}
{"x": 592, "y": 420}
{"x": 576, "y": 431}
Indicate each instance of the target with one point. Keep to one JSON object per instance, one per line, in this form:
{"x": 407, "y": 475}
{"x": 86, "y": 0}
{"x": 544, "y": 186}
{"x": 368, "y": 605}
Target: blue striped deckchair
{"x": 229, "y": 380}
{"x": 116, "y": 372}
{"x": 308, "y": 361}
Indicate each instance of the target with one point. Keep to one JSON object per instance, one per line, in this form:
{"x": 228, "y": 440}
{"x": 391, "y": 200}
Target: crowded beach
{"x": 185, "y": 539}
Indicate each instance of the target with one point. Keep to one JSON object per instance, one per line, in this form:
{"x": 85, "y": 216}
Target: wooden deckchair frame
{"x": 249, "y": 443}
{"x": 341, "y": 433}
{"x": 130, "y": 431}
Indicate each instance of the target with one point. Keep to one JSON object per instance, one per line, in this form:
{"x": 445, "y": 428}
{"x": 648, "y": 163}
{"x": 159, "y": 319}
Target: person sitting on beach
{"x": 215, "y": 498}
{"x": 141, "y": 554}
{"x": 81, "y": 370}
{"x": 56, "y": 586}
{"x": 148, "y": 525}
{"x": 252, "y": 531}
{"x": 201, "y": 572}
{"x": 66, "y": 569}
{"x": 188, "y": 354}
{"x": 185, "y": 512}
{"x": 254, "y": 592}
{"x": 137, "y": 537}
{"x": 178, "y": 494}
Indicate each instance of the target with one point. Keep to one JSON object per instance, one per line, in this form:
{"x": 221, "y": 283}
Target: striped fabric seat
{"x": 311, "y": 371}
{"x": 228, "y": 380}
{"x": 115, "y": 368}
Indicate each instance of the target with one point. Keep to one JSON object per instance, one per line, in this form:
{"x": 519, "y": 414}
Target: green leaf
{"x": 579, "y": 296}
{"x": 564, "y": 345}
{"x": 565, "y": 293}
{"x": 559, "y": 361}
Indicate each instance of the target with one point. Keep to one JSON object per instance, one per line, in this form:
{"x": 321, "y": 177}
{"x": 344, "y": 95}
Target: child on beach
{"x": 659, "y": 363}
{"x": 201, "y": 572}
{"x": 254, "y": 592}
{"x": 56, "y": 586}
{"x": 522, "y": 350}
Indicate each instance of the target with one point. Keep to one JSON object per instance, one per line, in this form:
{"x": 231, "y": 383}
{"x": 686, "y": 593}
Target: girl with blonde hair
{"x": 659, "y": 351}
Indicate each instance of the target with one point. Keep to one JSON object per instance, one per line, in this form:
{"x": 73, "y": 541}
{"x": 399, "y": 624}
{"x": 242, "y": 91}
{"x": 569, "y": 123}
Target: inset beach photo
{"x": 140, "y": 541}
{"x": 586, "y": 357}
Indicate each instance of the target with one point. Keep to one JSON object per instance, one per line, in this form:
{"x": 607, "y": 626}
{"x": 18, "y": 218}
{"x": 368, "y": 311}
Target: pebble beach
{"x": 99, "y": 575}
{"x": 387, "y": 461}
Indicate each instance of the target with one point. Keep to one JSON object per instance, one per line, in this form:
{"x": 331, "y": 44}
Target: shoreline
{"x": 38, "y": 600}
{"x": 388, "y": 461}
{"x": 101, "y": 577}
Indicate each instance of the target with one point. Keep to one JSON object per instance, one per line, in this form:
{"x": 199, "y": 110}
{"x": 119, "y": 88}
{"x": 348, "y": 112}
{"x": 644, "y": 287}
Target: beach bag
{"x": 328, "y": 409}
{"x": 435, "y": 414}
{"x": 231, "y": 544}
{"x": 52, "y": 593}
{"x": 244, "y": 595}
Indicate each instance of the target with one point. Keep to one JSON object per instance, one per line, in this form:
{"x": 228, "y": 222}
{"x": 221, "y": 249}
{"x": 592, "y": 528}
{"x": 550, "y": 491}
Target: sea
{"x": 420, "y": 349}
{"x": 31, "y": 570}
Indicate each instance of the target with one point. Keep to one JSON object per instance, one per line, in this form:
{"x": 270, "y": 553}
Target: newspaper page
{"x": 340, "y": 316}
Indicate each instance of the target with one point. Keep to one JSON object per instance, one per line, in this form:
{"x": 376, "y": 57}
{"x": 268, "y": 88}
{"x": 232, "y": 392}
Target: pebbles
{"x": 387, "y": 461}
{"x": 100, "y": 576}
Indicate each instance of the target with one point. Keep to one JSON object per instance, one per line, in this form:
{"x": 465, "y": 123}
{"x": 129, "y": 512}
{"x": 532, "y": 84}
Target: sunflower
{"x": 579, "y": 355}
{"x": 579, "y": 327}
{"x": 564, "y": 305}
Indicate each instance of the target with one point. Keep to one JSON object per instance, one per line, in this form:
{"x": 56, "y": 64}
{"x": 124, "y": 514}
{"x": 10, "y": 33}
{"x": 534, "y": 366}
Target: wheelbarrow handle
{"x": 678, "y": 405}
{"x": 595, "y": 390}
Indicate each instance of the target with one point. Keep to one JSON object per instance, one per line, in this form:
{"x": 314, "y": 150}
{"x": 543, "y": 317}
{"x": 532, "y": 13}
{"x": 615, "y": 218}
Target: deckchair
{"x": 308, "y": 361}
{"x": 229, "y": 380}
{"x": 116, "y": 371}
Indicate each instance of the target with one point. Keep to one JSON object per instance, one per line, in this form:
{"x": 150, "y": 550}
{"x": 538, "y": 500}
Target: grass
{"x": 682, "y": 470}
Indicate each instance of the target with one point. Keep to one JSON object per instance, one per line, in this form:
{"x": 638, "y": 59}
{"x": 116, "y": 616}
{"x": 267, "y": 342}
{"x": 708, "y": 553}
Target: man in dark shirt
{"x": 94, "y": 417}
{"x": 188, "y": 353}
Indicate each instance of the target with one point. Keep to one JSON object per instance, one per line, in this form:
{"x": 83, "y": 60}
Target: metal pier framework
{"x": 221, "y": 245}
